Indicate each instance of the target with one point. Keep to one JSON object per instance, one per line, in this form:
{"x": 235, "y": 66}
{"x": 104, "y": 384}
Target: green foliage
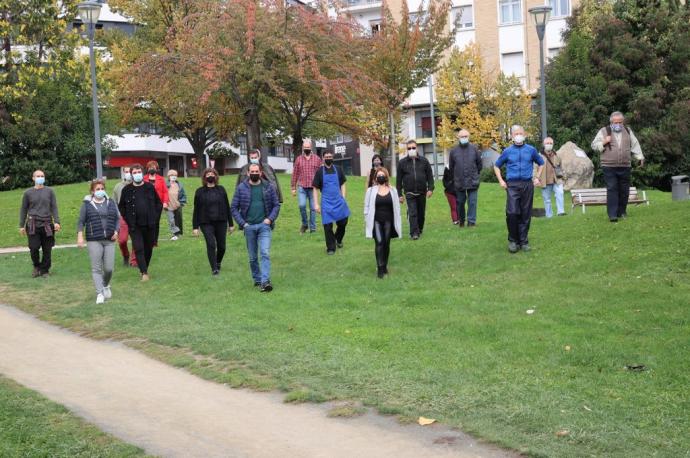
{"x": 634, "y": 58}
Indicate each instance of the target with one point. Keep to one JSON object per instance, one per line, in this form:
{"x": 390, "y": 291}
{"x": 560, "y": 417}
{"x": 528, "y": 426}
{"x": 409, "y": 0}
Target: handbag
{"x": 556, "y": 168}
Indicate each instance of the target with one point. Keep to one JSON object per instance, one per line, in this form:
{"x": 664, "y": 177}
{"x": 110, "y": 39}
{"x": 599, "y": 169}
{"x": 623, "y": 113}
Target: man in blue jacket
{"x": 255, "y": 207}
{"x": 519, "y": 159}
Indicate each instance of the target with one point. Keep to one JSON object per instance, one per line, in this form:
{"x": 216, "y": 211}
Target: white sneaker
{"x": 107, "y": 292}
{"x": 100, "y": 299}
{"x": 174, "y": 237}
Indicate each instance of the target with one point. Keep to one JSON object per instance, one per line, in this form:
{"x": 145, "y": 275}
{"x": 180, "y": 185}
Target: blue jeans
{"x": 303, "y": 194}
{"x": 546, "y": 195}
{"x": 258, "y": 238}
{"x": 469, "y": 196}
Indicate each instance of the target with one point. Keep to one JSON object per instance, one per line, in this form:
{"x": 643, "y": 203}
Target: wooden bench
{"x": 597, "y": 196}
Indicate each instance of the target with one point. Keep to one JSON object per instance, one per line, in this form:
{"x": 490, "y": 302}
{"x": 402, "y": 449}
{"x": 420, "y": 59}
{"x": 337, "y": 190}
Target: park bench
{"x": 597, "y": 196}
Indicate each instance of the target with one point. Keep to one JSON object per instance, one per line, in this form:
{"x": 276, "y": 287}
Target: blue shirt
{"x": 518, "y": 160}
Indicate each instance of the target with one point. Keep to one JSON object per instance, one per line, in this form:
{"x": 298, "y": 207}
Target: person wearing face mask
{"x": 255, "y": 207}
{"x": 376, "y": 162}
{"x": 330, "y": 183}
{"x": 415, "y": 184}
{"x": 177, "y": 199}
{"x": 141, "y": 208}
{"x": 303, "y": 173}
{"x": 99, "y": 220}
{"x": 617, "y": 144}
{"x": 158, "y": 183}
{"x": 382, "y": 218}
{"x": 129, "y": 257}
{"x": 39, "y": 221}
{"x": 212, "y": 216}
{"x": 519, "y": 185}
{"x": 550, "y": 181}
{"x": 465, "y": 164}
{"x": 267, "y": 172}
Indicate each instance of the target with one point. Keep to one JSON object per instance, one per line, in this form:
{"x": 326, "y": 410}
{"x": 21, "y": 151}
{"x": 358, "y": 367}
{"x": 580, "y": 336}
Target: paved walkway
{"x": 169, "y": 412}
{"x": 24, "y": 249}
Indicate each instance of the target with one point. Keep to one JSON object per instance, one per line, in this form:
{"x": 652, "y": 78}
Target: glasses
{"x": 409, "y": 149}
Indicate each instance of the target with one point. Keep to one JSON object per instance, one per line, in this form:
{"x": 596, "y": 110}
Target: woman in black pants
{"x": 382, "y": 218}
{"x": 212, "y": 216}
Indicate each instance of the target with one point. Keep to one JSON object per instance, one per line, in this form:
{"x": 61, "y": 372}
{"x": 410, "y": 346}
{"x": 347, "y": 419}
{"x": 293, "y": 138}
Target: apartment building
{"x": 505, "y": 33}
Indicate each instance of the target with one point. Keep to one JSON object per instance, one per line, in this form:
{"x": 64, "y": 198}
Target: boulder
{"x": 577, "y": 167}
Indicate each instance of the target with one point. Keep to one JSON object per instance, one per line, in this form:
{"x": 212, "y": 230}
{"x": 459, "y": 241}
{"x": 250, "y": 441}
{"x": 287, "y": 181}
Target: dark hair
{"x": 410, "y": 141}
{"x": 136, "y": 165}
{"x": 372, "y": 173}
{"x": 95, "y": 183}
{"x": 209, "y": 170}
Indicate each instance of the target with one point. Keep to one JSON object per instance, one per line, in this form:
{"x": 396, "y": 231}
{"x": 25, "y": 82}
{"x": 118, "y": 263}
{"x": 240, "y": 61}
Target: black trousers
{"x": 333, "y": 238}
{"x": 177, "y": 214}
{"x": 383, "y": 232}
{"x": 416, "y": 211}
{"x": 215, "y": 234}
{"x": 38, "y": 242}
{"x": 617, "y": 190}
{"x": 519, "y": 210}
{"x": 143, "y": 239}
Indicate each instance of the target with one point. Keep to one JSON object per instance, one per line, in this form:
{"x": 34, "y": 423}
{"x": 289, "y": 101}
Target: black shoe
{"x": 215, "y": 272}
{"x": 257, "y": 283}
{"x": 525, "y": 247}
{"x": 385, "y": 270}
{"x": 415, "y": 237}
{"x": 266, "y": 287}
{"x": 218, "y": 267}
{"x": 311, "y": 231}
{"x": 461, "y": 224}
{"x": 45, "y": 274}
{"x": 125, "y": 261}
{"x": 471, "y": 224}
{"x": 302, "y": 229}
{"x": 339, "y": 245}
{"x": 330, "y": 253}
{"x": 561, "y": 214}
{"x": 380, "y": 273}
{"x": 613, "y": 220}
{"x": 512, "y": 247}
{"x": 36, "y": 273}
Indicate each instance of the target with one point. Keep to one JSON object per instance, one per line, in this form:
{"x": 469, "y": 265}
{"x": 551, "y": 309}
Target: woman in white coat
{"x": 382, "y": 218}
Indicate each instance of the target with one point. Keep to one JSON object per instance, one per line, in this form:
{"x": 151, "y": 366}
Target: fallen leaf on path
{"x": 530, "y": 311}
{"x": 562, "y": 433}
{"x": 425, "y": 421}
{"x": 567, "y": 348}
{"x": 587, "y": 408}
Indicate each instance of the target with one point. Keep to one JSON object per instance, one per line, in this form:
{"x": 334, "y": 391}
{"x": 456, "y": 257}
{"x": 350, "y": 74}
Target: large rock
{"x": 577, "y": 167}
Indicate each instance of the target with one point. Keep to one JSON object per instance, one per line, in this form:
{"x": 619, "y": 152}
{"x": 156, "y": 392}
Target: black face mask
{"x": 380, "y": 179}
{"x": 255, "y": 177}
{"x": 328, "y": 162}
{"x": 307, "y": 152}
{"x": 152, "y": 171}
{"x": 376, "y": 164}
{"x": 211, "y": 179}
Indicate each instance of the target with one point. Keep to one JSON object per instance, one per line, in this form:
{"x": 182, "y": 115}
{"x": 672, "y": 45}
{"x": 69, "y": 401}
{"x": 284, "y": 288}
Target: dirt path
{"x": 24, "y": 249}
{"x": 170, "y": 412}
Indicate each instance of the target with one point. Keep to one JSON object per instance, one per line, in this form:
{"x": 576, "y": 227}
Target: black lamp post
{"x": 541, "y": 15}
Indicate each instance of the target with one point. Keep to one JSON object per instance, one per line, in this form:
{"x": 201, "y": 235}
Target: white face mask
{"x": 519, "y": 139}
{"x": 173, "y": 177}
{"x": 412, "y": 152}
{"x": 548, "y": 147}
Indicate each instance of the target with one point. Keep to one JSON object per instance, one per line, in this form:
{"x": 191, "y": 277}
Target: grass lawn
{"x": 33, "y": 426}
{"x": 445, "y": 336}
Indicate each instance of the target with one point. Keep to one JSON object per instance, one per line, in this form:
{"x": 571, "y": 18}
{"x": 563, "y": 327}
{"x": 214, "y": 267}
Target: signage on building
{"x": 340, "y": 150}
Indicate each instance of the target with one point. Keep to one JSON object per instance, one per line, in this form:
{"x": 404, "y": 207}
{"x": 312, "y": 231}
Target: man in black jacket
{"x": 417, "y": 180}
{"x": 141, "y": 208}
{"x": 465, "y": 164}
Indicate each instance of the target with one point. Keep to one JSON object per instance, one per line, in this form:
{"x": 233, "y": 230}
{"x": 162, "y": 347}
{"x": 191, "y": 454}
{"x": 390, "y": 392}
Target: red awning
{"x": 121, "y": 161}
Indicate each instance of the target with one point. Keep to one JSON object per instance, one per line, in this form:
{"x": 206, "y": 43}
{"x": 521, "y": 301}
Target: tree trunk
{"x": 198, "y": 142}
{"x": 251, "y": 121}
{"x": 392, "y": 145}
{"x": 297, "y": 140}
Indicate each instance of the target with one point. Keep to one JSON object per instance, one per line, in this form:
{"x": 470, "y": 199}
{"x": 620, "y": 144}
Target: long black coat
{"x": 465, "y": 164}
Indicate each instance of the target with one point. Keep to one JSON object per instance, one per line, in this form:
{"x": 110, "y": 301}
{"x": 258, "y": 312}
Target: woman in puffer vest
{"x": 99, "y": 223}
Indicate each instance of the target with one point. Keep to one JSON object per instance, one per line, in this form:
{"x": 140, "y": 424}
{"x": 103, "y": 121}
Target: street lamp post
{"x": 89, "y": 12}
{"x": 541, "y": 15}
{"x": 433, "y": 123}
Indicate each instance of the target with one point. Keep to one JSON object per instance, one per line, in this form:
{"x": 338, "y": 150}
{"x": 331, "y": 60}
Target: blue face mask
{"x": 253, "y": 161}
{"x": 40, "y": 180}
{"x": 138, "y": 177}
{"x": 100, "y": 194}
{"x": 464, "y": 141}
{"x": 617, "y": 127}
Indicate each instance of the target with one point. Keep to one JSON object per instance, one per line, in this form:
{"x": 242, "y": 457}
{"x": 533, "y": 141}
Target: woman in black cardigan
{"x": 212, "y": 216}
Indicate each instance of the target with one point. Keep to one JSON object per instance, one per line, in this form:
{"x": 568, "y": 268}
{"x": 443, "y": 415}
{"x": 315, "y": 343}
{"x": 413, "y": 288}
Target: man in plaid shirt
{"x": 305, "y": 167}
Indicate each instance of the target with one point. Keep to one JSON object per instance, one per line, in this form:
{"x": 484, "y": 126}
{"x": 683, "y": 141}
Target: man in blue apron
{"x": 329, "y": 181}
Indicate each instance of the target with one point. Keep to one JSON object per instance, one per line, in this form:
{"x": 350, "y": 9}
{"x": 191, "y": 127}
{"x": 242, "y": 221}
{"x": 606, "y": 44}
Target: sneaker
{"x": 415, "y": 237}
{"x": 613, "y": 220}
{"x": 330, "y": 253}
{"x": 525, "y": 247}
{"x": 100, "y": 299}
{"x": 107, "y": 292}
{"x": 380, "y": 272}
{"x": 215, "y": 273}
{"x": 456, "y": 222}
{"x": 339, "y": 245}
{"x": 512, "y": 247}
{"x": 173, "y": 238}
{"x": 145, "y": 277}
{"x": 302, "y": 229}
{"x": 35, "y": 273}
{"x": 125, "y": 261}
{"x": 311, "y": 231}
{"x": 266, "y": 287}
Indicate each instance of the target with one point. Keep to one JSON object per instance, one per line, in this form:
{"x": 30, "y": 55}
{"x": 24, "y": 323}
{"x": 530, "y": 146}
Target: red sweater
{"x": 161, "y": 188}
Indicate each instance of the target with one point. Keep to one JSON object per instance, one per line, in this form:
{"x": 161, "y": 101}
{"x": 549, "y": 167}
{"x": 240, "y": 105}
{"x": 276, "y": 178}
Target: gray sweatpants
{"x": 102, "y": 254}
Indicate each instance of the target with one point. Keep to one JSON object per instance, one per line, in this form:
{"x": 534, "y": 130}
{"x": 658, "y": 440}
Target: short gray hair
{"x": 516, "y": 127}
{"x": 616, "y": 113}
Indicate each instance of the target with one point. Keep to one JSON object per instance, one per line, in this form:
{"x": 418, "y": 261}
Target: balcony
{"x": 361, "y": 5}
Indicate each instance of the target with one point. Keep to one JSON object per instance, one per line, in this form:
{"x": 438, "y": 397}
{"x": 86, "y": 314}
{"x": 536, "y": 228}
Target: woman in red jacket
{"x": 158, "y": 183}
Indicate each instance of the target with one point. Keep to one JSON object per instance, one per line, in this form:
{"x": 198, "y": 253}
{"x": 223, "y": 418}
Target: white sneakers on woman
{"x": 106, "y": 294}
{"x": 100, "y": 299}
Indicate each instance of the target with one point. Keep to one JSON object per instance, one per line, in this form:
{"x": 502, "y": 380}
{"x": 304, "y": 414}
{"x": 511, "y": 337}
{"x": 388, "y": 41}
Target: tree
{"x": 635, "y": 61}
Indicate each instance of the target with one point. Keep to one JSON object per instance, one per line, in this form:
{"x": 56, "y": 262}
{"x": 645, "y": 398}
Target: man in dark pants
{"x": 519, "y": 159}
{"x": 465, "y": 164}
{"x": 39, "y": 220}
{"x": 329, "y": 181}
{"x": 141, "y": 208}
{"x": 417, "y": 180}
{"x": 617, "y": 143}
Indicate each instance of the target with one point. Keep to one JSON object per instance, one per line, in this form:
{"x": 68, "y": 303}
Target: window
{"x": 462, "y": 17}
{"x": 553, "y": 52}
{"x": 375, "y": 26}
{"x": 513, "y": 64}
{"x": 560, "y": 8}
{"x": 426, "y": 126}
{"x": 510, "y": 11}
